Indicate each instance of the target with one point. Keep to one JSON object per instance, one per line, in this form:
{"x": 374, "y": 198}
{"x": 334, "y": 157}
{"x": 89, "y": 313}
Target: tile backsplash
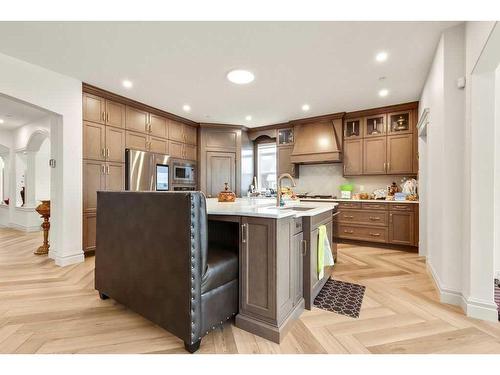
{"x": 326, "y": 179}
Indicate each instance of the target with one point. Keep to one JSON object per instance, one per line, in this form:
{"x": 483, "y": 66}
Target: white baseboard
{"x": 472, "y": 307}
{"x": 66, "y": 260}
{"x": 33, "y": 228}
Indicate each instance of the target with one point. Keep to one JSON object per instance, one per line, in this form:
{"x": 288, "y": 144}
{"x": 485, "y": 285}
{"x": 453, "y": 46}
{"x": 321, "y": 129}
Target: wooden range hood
{"x": 318, "y": 140}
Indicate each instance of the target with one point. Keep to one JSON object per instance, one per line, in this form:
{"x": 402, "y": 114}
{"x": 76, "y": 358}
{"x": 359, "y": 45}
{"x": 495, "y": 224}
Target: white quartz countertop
{"x": 266, "y": 207}
{"x": 353, "y": 200}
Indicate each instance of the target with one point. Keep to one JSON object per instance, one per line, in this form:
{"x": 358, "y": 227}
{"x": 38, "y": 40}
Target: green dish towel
{"x": 325, "y": 257}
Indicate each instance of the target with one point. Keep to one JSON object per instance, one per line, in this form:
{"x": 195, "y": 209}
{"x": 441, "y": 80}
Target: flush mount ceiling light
{"x": 240, "y": 76}
{"x": 306, "y": 107}
{"x": 381, "y": 56}
{"x": 383, "y": 92}
{"x": 248, "y": 118}
{"x": 127, "y": 84}
{"x": 186, "y": 108}
{"x": 1, "y": 121}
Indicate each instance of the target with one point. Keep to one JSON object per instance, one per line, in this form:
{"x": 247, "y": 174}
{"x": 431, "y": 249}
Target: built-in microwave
{"x": 183, "y": 173}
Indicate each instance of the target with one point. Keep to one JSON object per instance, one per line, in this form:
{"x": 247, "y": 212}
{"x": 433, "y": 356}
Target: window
{"x": 266, "y": 166}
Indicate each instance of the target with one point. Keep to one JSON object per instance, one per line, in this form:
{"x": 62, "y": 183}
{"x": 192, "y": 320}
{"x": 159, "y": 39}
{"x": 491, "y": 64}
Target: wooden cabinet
{"x": 93, "y": 180}
{"x": 89, "y": 231}
{"x": 136, "y": 141}
{"x": 383, "y": 139}
{"x": 285, "y": 165}
{"x": 158, "y": 126}
{"x": 137, "y": 120}
{"x": 374, "y": 155}
{"x": 190, "y": 135}
{"x": 285, "y": 137}
{"x": 176, "y": 149}
{"x": 222, "y": 166}
{"x": 353, "y": 157}
{"x": 176, "y": 131}
{"x": 270, "y": 271}
{"x": 94, "y": 141}
{"x": 114, "y": 177}
{"x": 158, "y": 145}
{"x": 94, "y": 108}
{"x": 394, "y": 222}
{"x": 400, "y": 154}
{"x": 189, "y": 152}
{"x": 115, "y": 144}
{"x": 115, "y": 114}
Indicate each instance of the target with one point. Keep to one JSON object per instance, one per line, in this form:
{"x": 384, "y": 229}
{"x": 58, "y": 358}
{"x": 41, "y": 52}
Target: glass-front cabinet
{"x": 375, "y": 126}
{"x": 285, "y": 137}
{"x": 399, "y": 122}
{"x": 352, "y": 128}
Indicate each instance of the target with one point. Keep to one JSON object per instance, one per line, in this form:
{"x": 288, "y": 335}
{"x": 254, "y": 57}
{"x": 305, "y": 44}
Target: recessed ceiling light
{"x": 240, "y": 76}
{"x": 306, "y": 107}
{"x": 383, "y": 92}
{"x": 248, "y": 118}
{"x": 381, "y": 56}
{"x": 127, "y": 84}
{"x": 186, "y": 107}
{"x": 1, "y": 121}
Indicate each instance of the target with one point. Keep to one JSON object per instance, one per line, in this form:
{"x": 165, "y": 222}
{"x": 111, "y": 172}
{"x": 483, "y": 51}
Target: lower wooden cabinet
{"x": 89, "y": 231}
{"x": 394, "y": 223}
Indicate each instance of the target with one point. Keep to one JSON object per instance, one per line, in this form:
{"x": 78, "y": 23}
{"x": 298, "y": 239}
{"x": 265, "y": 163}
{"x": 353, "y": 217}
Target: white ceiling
{"x": 16, "y": 114}
{"x": 328, "y": 65}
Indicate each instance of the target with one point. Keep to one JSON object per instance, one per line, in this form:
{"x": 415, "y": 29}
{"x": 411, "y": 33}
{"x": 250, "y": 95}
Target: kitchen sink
{"x": 297, "y": 208}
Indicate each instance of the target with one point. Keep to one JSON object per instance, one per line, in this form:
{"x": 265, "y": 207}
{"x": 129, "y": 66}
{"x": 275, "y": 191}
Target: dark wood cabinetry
{"x": 222, "y": 167}
{"x": 395, "y": 223}
{"x": 385, "y": 141}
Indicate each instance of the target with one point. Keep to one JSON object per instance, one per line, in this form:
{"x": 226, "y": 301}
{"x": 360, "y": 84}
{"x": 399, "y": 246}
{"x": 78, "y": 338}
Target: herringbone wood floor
{"x": 47, "y": 309}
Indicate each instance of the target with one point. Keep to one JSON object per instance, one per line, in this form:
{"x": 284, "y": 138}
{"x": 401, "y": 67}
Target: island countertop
{"x": 266, "y": 207}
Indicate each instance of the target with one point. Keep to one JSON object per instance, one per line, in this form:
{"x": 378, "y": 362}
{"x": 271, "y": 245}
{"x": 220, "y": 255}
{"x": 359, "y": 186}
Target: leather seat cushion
{"x": 222, "y": 267}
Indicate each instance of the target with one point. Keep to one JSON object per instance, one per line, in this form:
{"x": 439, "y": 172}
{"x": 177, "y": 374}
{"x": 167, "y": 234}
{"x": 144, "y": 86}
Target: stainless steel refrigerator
{"x": 146, "y": 171}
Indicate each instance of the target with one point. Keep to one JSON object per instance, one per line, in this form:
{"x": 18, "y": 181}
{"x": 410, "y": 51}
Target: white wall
{"x": 497, "y": 174}
{"x": 62, "y": 96}
{"x": 456, "y": 179}
{"x": 325, "y": 179}
{"x": 42, "y": 172}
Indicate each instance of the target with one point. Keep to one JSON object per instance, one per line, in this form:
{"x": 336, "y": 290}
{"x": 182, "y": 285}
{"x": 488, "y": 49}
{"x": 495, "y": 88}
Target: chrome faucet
{"x": 278, "y": 195}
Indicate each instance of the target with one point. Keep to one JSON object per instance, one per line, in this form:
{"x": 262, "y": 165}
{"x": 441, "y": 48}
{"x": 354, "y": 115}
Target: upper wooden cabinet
{"x": 374, "y": 155}
{"x": 115, "y": 144}
{"x": 137, "y": 120}
{"x": 176, "y": 130}
{"x": 94, "y": 108}
{"x": 400, "y": 154}
{"x": 158, "y": 126}
{"x": 284, "y": 163}
{"x": 115, "y": 114}
{"x": 374, "y": 126}
{"x": 285, "y": 137}
{"x": 353, "y": 128}
{"x": 353, "y": 157}
{"x": 190, "y": 135}
{"x": 400, "y": 122}
{"x": 94, "y": 140}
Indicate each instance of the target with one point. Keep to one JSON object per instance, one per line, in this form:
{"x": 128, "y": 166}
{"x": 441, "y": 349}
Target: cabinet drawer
{"x": 367, "y": 217}
{"x": 353, "y": 232}
{"x": 375, "y": 206}
{"x": 401, "y": 206}
{"x": 354, "y": 205}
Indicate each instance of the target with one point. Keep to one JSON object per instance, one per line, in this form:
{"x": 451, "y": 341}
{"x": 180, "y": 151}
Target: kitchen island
{"x": 277, "y": 258}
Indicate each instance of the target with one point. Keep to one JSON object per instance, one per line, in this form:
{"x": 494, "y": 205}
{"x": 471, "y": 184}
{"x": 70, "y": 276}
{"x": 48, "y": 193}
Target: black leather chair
{"x": 152, "y": 256}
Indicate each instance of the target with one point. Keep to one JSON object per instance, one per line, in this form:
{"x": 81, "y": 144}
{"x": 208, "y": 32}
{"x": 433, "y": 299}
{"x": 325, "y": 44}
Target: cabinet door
{"x": 400, "y": 154}
{"x": 136, "y": 141}
{"x": 176, "y": 149}
{"x": 297, "y": 248}
{"x": 115, "y": 114}
{"x": 158, "y": 145}
{"x": 284, "y": 164}
{"x": 353, "y": 157}
{"x": 159, "y": 127}
{"x": 115, "y": 144}
{"x": 313, "y": 248}
{"x": 136, "y": 119}
{"x": 190, "y": 134}
{"x": 353, "y": 128}
{"x": 94, "y": 108}
{"x": 401, "y": 228}
{"x": 93, "y": 141}
{"x": 375, "y": 126}
{"x": 189, "y": 152}
{"x": 176, "y": 131}
{"x": 115, "y": 176}
{"x": 258, "y": 267}
{"x": 221, "y": 168}
{"x": 400, "y": 122}
{"x": 89, "y": 231}
{"x": 93, "y": 180}
{"x": 374, "y": 155}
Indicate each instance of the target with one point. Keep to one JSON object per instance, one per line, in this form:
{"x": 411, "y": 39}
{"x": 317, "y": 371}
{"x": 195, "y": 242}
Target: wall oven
{"x": 183, "y": 173}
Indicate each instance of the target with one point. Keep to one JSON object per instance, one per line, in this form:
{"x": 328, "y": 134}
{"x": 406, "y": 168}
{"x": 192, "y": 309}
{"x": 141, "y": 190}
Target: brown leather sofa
{"x": 152, "y": 256}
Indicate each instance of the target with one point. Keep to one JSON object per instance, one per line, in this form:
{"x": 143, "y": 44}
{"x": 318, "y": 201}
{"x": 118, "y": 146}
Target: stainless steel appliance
{"x": 146, "y": 171}
{"x": 183, "y": 173}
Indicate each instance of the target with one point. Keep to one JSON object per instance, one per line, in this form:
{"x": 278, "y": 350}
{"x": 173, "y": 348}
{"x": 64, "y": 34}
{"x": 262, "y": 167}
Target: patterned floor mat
{"x": 341, "y": 297}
